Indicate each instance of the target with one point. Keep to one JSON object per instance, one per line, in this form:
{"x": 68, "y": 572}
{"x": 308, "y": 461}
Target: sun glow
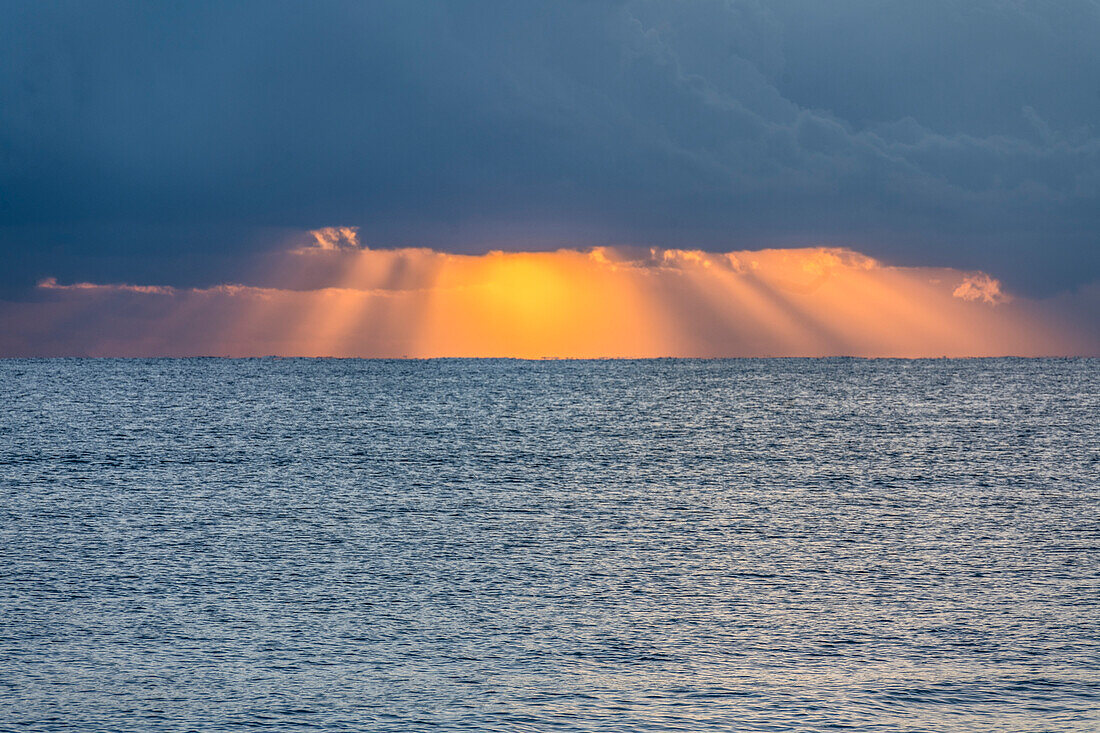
{"x": 336, "y": 298}
{"x": 532, "y": 305}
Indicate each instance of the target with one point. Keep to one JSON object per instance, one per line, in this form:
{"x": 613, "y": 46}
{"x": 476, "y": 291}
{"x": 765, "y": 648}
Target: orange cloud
{"x": 50, "y": 283}
{"x": 336, "y": 298}
{"x": 331, "y": 239}
{"x": 980, "y": 287}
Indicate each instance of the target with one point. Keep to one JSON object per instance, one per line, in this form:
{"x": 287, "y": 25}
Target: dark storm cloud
{"x": 168, "y": 142}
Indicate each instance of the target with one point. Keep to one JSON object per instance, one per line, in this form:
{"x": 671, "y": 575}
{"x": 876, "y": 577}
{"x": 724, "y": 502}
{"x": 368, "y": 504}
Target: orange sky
{"x": 335, "y": 298}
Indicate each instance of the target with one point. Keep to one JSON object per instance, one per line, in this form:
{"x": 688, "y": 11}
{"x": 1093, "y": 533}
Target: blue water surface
{"x": 746, "y": 545}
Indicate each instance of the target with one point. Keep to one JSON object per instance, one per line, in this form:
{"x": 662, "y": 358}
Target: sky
{"x": 197, "y": 146}
{"x": 330, "y": 296}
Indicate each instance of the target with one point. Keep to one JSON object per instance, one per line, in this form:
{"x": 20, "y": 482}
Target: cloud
{"x": 957, "y": 133}
{"x": 331, "y": 239}
{"x": 603, "y": 302}
{"x": 50, "y": 283}
{"x": 980, "y": 287}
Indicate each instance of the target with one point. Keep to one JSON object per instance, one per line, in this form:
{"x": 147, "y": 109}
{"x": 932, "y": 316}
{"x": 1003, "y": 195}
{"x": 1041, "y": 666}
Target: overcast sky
{"x": 173, "y": 142}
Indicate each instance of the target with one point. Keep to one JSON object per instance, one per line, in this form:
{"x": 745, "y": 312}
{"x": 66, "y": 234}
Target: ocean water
{"x": 329, "y": 545}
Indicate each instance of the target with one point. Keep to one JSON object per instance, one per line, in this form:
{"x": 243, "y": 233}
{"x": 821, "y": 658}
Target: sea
{"x": 498, "y": 545}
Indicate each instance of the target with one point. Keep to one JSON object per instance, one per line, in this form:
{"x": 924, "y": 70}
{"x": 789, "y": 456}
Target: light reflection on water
{"x": 496, "y": 545}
